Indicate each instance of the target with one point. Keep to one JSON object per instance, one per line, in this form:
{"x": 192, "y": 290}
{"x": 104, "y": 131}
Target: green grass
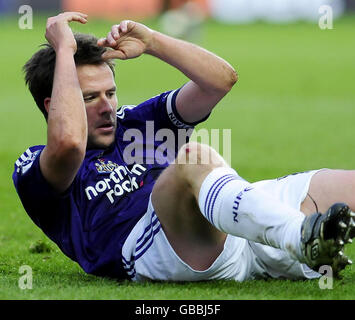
{"x": 292, "y": 110}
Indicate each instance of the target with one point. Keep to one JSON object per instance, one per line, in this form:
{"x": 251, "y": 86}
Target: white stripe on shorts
{"x": 142, "y": 245}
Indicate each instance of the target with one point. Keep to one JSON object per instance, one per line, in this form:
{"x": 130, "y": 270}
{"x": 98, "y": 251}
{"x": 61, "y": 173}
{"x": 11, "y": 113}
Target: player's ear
{"x": 47, "y": 102}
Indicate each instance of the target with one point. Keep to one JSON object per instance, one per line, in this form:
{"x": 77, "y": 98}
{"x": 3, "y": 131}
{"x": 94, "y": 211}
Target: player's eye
{"x": 110, "y": 94}
{"x": 89, "y": 98}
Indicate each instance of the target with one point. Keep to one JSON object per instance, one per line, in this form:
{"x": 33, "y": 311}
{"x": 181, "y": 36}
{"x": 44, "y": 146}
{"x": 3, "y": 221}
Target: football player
{"x": 123, "y": 202}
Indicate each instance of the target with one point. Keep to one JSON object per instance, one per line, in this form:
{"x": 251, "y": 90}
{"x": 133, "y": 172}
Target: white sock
{"x": 234, "y": 207}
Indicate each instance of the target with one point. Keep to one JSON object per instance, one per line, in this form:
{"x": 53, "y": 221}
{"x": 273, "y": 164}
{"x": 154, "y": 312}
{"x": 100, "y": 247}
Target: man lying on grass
{"x": 129, "y": 205}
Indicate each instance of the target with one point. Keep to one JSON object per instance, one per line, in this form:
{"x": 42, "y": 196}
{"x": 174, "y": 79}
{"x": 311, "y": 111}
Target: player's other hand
{"x": 128, "y": 40}
{"x": 58, "y": 32}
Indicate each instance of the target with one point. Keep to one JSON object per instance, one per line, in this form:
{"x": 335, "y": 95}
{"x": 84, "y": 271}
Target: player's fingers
{"x": 114, "y": 54}
{"x": 102, "y": 42}
{"x": 77, "y": 19}
{"x": 84, "y": 15}
{"x": 110, "y": 40}
{"x": 74, "y": 16}
{"x": 114, "y": 31}
{"x": 123, "y": 26}
{"x": 71, "y": 16}
{"x": 67, "y": 19}
{"x": 68, "y": 15}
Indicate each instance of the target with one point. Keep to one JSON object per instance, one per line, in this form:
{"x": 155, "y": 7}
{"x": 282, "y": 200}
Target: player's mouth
{"x": 106, "y": 127}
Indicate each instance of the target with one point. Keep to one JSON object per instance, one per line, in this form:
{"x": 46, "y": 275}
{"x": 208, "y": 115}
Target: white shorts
{"x": 147, "y": 254}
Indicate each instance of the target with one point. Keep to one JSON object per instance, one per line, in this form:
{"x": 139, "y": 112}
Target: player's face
{"x": 99, "y": 91}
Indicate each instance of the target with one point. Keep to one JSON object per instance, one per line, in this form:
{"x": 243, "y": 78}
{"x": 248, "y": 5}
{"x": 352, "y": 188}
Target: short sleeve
{"x": 161, "y": 109}
{"x": 41, "y": 202}
{"x": 173, "y": 114}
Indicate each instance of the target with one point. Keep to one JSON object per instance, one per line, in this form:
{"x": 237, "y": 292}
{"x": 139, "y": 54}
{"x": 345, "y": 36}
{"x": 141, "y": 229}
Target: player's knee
{"x": 194, "y": 153}
{"x": 194, "y": 157}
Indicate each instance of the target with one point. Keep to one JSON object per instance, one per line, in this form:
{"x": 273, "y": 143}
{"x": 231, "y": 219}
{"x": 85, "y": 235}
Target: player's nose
{"x": 105, "y": 105}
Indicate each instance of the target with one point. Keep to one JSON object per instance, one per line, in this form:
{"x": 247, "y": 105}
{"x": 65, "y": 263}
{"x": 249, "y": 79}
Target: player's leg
{"x": 327, "y": 187}
{"x": 185, "y": 190}
{"x": 193, "y": 238}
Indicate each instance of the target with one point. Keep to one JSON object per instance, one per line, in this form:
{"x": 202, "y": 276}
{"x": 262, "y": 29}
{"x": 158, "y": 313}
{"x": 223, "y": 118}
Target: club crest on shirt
{"x": 104, "y": 167}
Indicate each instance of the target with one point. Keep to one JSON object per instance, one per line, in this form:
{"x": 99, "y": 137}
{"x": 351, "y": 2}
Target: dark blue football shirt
{"x": 110, "y": 193}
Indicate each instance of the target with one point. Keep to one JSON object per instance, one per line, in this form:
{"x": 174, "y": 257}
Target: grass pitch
{"x": 292, "y": 110}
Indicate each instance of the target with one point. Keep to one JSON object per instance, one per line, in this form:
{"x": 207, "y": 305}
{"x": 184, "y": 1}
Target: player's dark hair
{"x": 39, "y": 70}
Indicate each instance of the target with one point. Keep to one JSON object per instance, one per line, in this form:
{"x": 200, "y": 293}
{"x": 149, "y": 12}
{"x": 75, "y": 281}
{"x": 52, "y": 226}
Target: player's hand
{"x": 128, "y": 40}
{"x": 58, "y": 32}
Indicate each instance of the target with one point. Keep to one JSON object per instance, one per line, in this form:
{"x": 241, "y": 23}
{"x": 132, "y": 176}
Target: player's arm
{"x": 67, "y": 124}
{"x": 211, "y": 76}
